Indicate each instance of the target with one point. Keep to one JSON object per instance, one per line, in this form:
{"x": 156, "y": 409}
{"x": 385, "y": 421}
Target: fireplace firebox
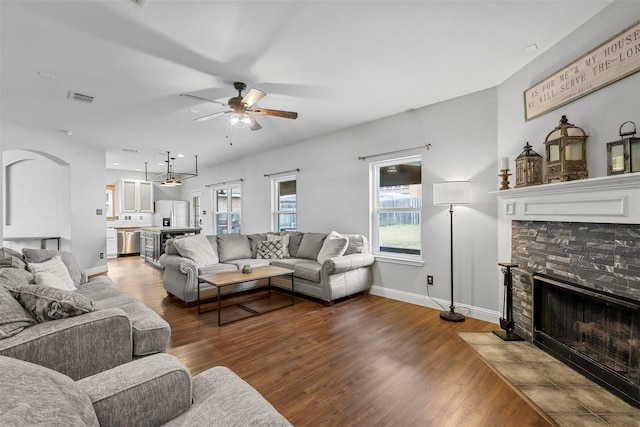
{"x": 594, "y": 332}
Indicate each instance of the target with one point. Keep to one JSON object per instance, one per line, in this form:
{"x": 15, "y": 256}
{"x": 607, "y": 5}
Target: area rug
{"x": 565, "y": 396}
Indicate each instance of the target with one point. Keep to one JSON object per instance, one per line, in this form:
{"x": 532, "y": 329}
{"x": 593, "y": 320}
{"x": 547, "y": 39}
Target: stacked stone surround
{"x": 605, "y": 257}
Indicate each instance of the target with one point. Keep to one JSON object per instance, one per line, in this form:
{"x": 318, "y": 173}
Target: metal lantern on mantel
{"x": 528, "y": 168}
{"x": 566, "y": 153}
{"x": 623, "y": 156}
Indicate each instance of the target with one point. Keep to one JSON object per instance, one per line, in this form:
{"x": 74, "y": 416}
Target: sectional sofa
{"x": 78, "y": 328}
{"x": 325, "y": 267}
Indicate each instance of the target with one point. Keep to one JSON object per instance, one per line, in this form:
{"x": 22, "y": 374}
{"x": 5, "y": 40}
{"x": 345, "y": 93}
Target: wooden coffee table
{"x": 228, "y": 278}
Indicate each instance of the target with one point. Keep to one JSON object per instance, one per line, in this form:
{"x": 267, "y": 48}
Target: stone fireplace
{"x": 576, "y": 292}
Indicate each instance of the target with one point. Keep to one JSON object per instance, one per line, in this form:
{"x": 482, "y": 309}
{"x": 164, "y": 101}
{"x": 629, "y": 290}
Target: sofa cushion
{"x": 233, "y": 246}
{"x": 197, "y": 249}
{"x": 45, "y": 303}
{"x": 41, "y": 255}
{"x": 270, "y": 249}
{"x": 252, "y": 262}
{"x": 309, "y": 270}
{"x": 34, "y": 395}
{"x": 216, "y": 268}
{"x": 56, "y": 267}
{"x": 254, "y": 240}
{"x": 332, "y": 248}
{"x": 16, "y": 276}
{"x": 295, "y": 237}
{"x": 310, "y": 245}
{"x": 13, "y": 317}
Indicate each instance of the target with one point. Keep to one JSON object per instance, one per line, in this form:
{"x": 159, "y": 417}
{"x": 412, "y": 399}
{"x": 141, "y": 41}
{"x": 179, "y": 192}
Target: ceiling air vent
{"x": 140, "y": 3}
{"x": 75, "y": 96}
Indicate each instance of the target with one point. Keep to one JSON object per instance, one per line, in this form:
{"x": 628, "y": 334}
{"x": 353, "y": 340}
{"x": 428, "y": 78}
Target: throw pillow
{"x": 310, "y": 245}
{"x": 270, "y": 249}
{"x": 332, "y": 248}
{"x": 356, "y": 242}
{"x": 16, "y": 276}
{"x": 56, "y": 267}
{"x": 285, "y": 243}
{"x": 13, "y": 262}
{"x": 45, "y": 303}
{"x": 49, "y": 279}
{"x": 197, "y": 249}
{"x": 13, "y": 317}
{"x": 40, "y": 255}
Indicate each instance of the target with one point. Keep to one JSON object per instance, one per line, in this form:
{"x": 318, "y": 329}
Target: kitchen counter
{"x": 171, "y": 230}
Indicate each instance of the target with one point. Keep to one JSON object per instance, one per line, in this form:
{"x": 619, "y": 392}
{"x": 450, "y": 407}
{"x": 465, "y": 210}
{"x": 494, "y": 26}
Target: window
{"x": 396, "y": 194}
{"x": 284, "y": 204}
{"x": 227, "y": 202}
{"x": 196, "y": 208}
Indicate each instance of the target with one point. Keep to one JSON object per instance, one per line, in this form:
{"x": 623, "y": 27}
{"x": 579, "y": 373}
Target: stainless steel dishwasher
{"x": 128, "y": 242}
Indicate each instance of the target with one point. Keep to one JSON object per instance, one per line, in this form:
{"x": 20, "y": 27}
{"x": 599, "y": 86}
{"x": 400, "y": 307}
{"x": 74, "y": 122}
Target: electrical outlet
{"x": 429, "y": 280}
{"x": 101, "y": 255}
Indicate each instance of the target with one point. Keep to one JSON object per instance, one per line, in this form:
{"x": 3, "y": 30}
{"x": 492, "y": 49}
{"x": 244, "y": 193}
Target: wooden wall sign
{"x": 613, "y": 60}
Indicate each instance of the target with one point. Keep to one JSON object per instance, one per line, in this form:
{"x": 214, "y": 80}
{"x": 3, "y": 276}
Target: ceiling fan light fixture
{"x": 240, "y": 120}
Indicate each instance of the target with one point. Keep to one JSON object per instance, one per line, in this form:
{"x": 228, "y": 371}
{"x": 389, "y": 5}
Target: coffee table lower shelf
{"x": 249, "y": 308}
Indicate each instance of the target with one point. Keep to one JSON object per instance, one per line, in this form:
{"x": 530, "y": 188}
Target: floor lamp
{"x": 451, "y": 193}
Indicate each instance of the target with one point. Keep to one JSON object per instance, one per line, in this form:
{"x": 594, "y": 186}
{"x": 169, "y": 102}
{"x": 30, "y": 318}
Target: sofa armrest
{"x": 180, "y": 276}
{"x": 148, "y": 391}
{"x": 346, "y": 263}
{"x": 75, "y": 346}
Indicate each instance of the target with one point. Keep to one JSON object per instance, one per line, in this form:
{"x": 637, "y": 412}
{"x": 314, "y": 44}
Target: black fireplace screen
{"x": 590, "y": 330}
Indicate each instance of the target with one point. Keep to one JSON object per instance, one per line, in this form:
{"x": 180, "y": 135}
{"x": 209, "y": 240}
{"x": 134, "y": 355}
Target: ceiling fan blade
{"x": 252, "y": 97}
{"x": 255, "y": 125}
{"x": 203, "y": 99}
{"x": 210, "y": 116}
{"x": 277, "y": 113}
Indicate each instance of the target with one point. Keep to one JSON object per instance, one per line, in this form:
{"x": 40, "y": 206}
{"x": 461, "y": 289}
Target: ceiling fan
{"x": 242, "y": 108}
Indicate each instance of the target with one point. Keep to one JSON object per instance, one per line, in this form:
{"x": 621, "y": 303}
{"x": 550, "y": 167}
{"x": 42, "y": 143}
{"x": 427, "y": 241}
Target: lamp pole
{"x": 451, "y": 315}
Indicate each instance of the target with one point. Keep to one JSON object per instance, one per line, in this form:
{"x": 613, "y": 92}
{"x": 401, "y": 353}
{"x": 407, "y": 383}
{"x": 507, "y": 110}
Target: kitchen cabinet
{"x": 136, "y": 196}
{"x": 112, "y": 250}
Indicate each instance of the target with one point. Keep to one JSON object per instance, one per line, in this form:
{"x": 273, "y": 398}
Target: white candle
{"x": 504, "y": 163}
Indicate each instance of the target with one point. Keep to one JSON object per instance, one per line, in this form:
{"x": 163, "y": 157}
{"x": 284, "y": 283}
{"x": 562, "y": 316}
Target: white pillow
{"x": 56, "y": 267}
{"x": 332, "y": 248}
{"x": 197, "y": 248}
{"x": 285, "y": 243}
{"x": 49, "y": 279}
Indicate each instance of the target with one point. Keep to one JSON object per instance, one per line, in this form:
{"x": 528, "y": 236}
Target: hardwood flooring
{"x": 366, "y": 361}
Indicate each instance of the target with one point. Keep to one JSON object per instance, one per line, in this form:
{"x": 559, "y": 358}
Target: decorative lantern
{"x": 528, "y": 168}
{"x": 623, "y": 156}
{"x": 566, "y": 153}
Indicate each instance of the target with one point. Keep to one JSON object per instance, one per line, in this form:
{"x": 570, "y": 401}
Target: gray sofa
{"x": 152, "y": 391}
{"x": 77, "y": 332}
{"x": 326, "y": 267}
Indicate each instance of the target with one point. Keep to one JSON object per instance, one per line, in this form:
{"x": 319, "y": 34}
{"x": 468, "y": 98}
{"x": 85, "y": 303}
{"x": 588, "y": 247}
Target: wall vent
{"x": 75, "y": 96}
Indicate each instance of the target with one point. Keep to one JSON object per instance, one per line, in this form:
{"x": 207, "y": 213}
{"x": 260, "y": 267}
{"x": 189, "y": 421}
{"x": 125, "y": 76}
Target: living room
{"x": 468, "y": 134}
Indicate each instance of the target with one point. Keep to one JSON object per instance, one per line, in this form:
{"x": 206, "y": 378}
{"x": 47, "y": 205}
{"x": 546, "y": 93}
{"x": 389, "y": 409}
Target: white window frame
{"x": 275, "y": 195}
{"x": 229, "y": 212}
{"x": 374, "y": 209}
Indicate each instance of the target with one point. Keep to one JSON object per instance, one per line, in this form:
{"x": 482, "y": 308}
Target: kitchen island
{"x": 153, "y": 240}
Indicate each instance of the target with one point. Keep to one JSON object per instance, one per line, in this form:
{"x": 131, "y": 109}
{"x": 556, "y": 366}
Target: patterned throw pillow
{"x": 55, "y": 266}
{"x": 45, "y": 303}
{"x": 270, "y": 249}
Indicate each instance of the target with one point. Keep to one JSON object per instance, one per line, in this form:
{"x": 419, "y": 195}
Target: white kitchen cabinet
{"x": 136, "y": 196}
{"x": 112, "y": 245}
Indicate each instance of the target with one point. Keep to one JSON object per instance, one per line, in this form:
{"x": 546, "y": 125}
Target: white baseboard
{"x": 425, "y": 301}
{"x": 96, "y": 270}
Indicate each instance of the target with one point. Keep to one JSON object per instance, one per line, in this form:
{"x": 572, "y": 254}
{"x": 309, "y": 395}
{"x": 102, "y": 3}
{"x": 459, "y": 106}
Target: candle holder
{"x": 504, "y": 184}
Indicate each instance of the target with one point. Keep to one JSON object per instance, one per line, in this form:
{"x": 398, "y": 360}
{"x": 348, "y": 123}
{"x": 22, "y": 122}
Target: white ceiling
{"x": 337, "y": 63}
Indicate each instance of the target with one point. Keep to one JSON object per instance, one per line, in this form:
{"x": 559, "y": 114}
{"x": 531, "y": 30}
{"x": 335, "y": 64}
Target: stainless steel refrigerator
{"x": 171, "y": 213}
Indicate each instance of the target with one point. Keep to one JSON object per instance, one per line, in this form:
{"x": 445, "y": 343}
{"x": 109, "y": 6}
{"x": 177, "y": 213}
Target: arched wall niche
{"x": 36, "y": 199}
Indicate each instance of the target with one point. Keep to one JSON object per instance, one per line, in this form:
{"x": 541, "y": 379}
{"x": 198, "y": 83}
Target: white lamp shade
{"x": 451, "y": 193}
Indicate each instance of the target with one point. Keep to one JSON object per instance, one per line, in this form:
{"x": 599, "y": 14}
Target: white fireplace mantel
{"x": 610, "y": 199}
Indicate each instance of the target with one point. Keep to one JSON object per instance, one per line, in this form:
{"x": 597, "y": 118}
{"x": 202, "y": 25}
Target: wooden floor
{"x": 366, "y": 361}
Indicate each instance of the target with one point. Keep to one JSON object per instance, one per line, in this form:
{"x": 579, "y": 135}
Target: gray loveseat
{"x": 152, "y": 391}
{"x": 326, "y": 267}
{"x": 85, "y": 331}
